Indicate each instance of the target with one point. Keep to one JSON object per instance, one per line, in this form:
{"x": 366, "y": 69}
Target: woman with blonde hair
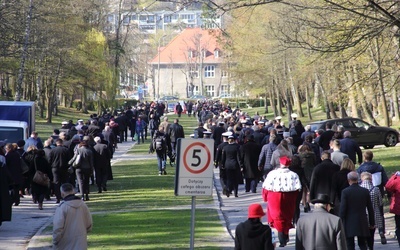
{"x": 339, "y": 182}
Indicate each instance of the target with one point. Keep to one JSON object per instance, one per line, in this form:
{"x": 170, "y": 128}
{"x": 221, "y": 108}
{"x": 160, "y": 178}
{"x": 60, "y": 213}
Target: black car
{"x": 365, "y": 134}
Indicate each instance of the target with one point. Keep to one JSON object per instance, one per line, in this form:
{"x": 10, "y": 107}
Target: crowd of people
{"x": 297, "y": 167}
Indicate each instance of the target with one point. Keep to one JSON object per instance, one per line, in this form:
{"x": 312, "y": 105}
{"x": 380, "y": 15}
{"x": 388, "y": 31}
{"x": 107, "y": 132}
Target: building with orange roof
{"x": 191, "y": 64}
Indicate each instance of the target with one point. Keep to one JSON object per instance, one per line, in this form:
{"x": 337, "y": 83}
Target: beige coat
{"x": 72, "y": 221}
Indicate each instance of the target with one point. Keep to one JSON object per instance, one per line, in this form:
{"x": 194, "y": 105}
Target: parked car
{"x": 365, "y": 134}
{"x": 223, "y": 96}
{"x": 198, "y": 97}
{"x": 169, "y": 98}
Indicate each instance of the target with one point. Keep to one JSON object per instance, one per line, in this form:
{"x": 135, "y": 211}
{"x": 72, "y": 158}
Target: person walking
{"x": 102, "y": 159}
{"x": 175, "y": 132}
{"x": 13, "y": 165}
{"x": 350, "y": 147}
{"x": 337, "y": 156}
{"x": 280, "y": 191}
{"x": 58, "y": 159}
{"x": 161, "y": 145}
{"x": 72, "y": 221}
{"x": 354, "y": 204}
{"x": 249, "y": 153}
{"x": 376, "y": 200}
{"x": 339, "y": 182}
{"x": 331, "y": 234}
{"x": 393, "y": 187}
{"x": 321, "y": 178}
{"x": 41, "y": 164}
{"x": 84, "y": 169}
{"x": 253, "y": 234}
{"x": 140, "y": 125}
{"x": 231, "y": 163}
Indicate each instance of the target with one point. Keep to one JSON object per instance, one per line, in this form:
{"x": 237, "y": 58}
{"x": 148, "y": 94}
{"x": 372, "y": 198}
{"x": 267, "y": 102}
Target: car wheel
{"x": 390, "y": 140}
{"x": 369, "y": 146}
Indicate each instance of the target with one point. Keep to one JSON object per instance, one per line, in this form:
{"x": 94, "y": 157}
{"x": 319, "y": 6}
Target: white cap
{"x": 80, "y": 120}
{"x": 278, "y": 117}
{"x": 64, "y": 123}
{"x": 227, "y": 134}
{"x": 293, "y": 115}
{"x": 207, "y": 132}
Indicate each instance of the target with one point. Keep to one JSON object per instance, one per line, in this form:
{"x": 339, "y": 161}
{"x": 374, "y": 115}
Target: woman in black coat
{"x": 41, "y": 164}
{"x": 13, "y": 162}
{"x": 231, "y": 163}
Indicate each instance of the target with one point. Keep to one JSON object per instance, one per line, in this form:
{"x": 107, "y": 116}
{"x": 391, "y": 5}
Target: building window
{"x": 224, "y": 89}
{"x": 209, "y": 71}
{"x": 196, "y": 90}
{"x": 224, "y": 73}
{"x": 126, "y": 20}
{"x": 194, "y": 72}
{"x": 216, "y": 53}
{"x": 191, "y": 53}
{"x": 204, "y": 53}
{"x": 210, "y": 90}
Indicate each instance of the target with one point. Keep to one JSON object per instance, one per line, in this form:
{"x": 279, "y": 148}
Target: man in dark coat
{"x": 13, "y": 164}
{"x": 58, "y": 159}
{"x": 200, "y": 130}
{"x": 5, "y": 198}
{"x": 252, "y": 234}
{"x": 331, "y": 235}
{"x": 218, "y": 161}
{"x": 178, "y": 109}
{"x": 249, "y": 153}
{"x": 93, "y": 129}
{"x": 321, "y": 178}
{"x": 355, "y": 201}
{"x": 326, "y": 137}
{"x": 175, "y": 132}
{"x": 350, "y": 147}
{"x": 102, "y": 159}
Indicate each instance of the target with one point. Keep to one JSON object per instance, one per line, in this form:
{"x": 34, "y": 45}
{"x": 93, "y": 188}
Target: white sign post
{"x": 194, "y": 172}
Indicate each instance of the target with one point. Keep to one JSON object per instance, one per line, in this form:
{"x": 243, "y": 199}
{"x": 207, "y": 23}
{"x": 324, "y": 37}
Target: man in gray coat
{"x": 331, "y": 235}
{"x": 72, "y": 221}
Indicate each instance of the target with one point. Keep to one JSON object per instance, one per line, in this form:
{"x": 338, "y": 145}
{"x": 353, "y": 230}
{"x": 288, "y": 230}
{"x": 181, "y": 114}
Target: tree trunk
{"x": 395, "y": 99}
{"x": 266, "y": 103}
{"x": 326, "y": 103}
{"x": 367, "y": 112}
{"x": 308, "y": 101}
{"x": 316, "y": 91}
{"x": 24, "y": 53}
{"x": 84, "y": 99}
{"x": 273, "y": 103}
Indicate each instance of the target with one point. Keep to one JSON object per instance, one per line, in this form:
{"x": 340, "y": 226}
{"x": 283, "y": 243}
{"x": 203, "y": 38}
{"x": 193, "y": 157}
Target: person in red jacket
{"x": 393, "y": 187}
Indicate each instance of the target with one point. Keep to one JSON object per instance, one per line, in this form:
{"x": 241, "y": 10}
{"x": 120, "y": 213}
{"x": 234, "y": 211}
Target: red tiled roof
{"x": 191, "y": 39}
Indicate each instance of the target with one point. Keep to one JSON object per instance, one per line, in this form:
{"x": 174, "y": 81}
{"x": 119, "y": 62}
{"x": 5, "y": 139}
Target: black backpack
{"x": 159, "y": 143}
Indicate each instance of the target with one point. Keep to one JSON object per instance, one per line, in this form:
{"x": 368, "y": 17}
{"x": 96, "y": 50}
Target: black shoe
{"x": 100, "y": 191}
{"x": 383, "y": 238}
{"x": 104, "y": 188}
{"x": 57, "y": 201}
{"x": 307, "y": 208}
{"x": 87, "y": 198}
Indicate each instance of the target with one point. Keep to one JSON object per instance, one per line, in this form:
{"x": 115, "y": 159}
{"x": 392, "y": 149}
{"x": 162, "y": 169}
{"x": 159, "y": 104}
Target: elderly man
{"x": 350, "y": 147}
{"x": 354, "y": 204}
{"x": 331, "y": 234}
{"x": 72, "y": 221}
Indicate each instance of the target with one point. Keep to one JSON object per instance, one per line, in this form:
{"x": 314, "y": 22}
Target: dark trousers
{"x": 83, "y": 176}
{"x": 173, "y": 147}
{"x": 362, "y": 243}
{"x": 232, "y": 184}
{"x": 60, "y": 176}
{"x": 161, "y": 161}
{"x": 397, "y": 221}
{"x": 297, "y": 210}
{"x": 370, "y": 239}
{"x": 15, "y": 194}
{"x": 101, "y": 177}
{"x": 251, "y": 185}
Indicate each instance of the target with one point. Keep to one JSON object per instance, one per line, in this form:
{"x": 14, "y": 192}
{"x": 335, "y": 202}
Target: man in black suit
{"x": 355, "y": 200}
{"x": 102, "y": 159}
{"x": 58, "y": 159}
{"x": 175, "y": 132}
{"x": 326, "y": 137}
{"x": 350, "y": 147}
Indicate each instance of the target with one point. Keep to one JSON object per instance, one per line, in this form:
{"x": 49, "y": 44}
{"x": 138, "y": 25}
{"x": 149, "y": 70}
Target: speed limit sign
{"x": 194, "y": 168}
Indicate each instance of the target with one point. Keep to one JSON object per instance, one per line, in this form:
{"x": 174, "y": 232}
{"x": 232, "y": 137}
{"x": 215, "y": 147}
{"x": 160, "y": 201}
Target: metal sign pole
{"x": 192, "y": 223}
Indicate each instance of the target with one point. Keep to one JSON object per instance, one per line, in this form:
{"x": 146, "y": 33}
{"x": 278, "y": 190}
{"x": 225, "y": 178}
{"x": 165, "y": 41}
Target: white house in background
{"x": 191, "y": 64}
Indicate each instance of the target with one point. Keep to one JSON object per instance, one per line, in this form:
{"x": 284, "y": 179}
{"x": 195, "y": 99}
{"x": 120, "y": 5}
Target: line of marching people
{"x": 299, "y": 166}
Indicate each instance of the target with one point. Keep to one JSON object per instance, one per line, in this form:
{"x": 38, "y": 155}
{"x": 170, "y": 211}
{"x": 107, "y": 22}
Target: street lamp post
{"x": 158, "y": 67}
